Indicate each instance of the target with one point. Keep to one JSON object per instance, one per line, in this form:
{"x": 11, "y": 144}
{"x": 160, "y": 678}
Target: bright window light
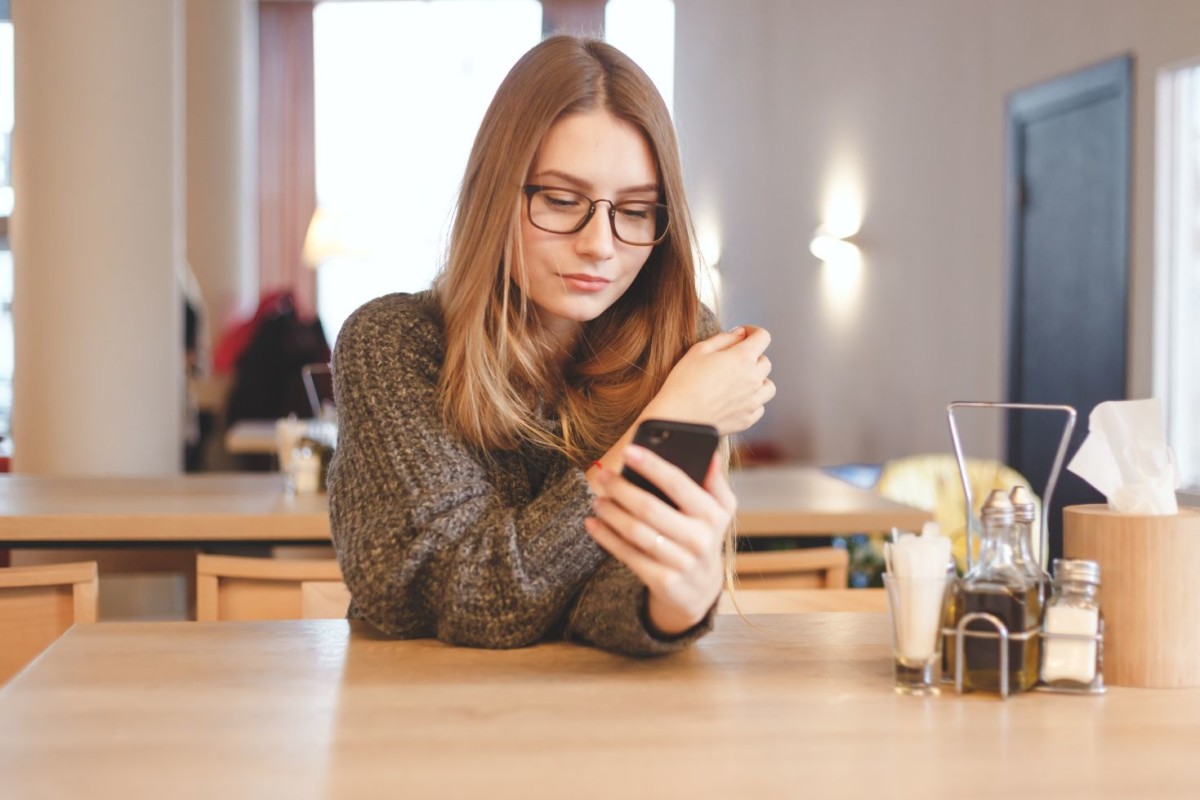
{"x": 645, "y": 31}
{"x": 1177, "y": 338}
{"x": 401, "y": 88}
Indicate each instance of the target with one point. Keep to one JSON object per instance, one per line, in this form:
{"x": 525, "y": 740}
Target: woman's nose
{"x": 596, "y": 238}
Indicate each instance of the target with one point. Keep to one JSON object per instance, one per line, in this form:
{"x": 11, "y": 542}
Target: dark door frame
{"x": 1107, "y": 82}
{"x": 1109, "y": 79}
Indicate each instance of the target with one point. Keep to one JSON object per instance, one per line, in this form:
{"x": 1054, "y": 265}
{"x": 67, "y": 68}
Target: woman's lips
{"x": 585, "y": 283}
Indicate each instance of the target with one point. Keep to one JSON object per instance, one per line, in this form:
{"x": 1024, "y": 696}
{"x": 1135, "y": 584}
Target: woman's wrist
{"x": 669, "y": 621}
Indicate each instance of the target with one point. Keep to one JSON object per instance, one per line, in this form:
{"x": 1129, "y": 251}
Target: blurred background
{"x": 923, "y": 201}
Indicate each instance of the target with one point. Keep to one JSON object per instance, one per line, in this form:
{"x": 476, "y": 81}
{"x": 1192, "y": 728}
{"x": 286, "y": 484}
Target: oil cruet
{"x": 999, "y": 608}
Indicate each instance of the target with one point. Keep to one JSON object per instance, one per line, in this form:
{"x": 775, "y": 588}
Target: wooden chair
{"x": 242, "y": 588}
{"x": 801, "y": 601}
{"x": 324, "y": 600}
{"x": 37, "y": 604}
{"x": 808, "y": 568}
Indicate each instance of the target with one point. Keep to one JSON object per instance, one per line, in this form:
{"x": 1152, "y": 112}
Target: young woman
{"x": 475, "y": 494}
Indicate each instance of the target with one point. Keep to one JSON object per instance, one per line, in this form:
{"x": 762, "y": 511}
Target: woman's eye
{"x": 634, "y": 212}
{"x": 561, "y": 201}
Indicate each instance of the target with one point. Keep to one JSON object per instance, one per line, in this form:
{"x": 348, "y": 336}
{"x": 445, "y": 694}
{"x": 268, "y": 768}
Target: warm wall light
{"x": 841, "y": 275}
{"x": 709, "y": 239}
{"x": 834, "y": 250}
{"x": 843, "y": 204}
{"x": 708, "y": 254}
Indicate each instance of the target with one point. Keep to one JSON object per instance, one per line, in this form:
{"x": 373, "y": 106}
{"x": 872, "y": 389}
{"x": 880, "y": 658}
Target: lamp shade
{"x": 328, "y": 237}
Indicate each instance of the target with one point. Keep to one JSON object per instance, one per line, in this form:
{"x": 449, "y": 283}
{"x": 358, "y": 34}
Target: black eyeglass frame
{"x": 531, "y": 189}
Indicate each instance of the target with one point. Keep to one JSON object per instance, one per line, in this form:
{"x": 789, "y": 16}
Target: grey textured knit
{"x": 435, "y": 540}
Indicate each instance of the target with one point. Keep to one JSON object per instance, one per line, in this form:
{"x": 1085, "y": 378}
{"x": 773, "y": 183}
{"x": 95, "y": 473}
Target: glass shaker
{"x": 1071, "y": 652}
{"x": 308, "y": 466}
{"x": 1023, "y": 516}
{"x": 1001, "y": 588}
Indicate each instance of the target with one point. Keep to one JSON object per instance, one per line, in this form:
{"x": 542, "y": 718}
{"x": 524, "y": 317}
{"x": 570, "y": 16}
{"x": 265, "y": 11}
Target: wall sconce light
{"x": 708, "y": 258}
{"x": 834, "y": 249}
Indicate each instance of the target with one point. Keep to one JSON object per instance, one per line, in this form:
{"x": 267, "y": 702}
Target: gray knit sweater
{"x": 434, "y": 540}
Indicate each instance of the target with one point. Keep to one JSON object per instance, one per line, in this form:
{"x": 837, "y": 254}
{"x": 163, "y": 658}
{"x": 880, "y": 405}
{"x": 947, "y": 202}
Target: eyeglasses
{"x": 636, "y": 222}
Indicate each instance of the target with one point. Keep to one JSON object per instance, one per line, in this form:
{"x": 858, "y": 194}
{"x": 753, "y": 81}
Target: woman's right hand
{"x": 721, "y": 381}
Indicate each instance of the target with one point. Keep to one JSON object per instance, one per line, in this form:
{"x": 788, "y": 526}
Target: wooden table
{"x": 796, "y": 706}
{"x": 251, "y": 437}
{"x": 253, "y": 507}
{"x": 803, "y": 501}
{"x": 197, "y": 509}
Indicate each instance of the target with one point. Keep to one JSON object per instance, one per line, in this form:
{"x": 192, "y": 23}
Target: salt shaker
{"x": 1071, "y": 652}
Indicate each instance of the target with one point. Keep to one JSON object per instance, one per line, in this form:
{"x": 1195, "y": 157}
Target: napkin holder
{"x": 1150, "y": 591}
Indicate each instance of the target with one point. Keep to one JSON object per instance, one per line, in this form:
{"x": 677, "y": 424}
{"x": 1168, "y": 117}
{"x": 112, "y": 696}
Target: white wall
{"x": 774, "y": 98}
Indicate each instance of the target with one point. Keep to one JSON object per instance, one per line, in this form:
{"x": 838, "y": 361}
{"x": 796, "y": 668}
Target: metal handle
{"x": 1048, "y": 493}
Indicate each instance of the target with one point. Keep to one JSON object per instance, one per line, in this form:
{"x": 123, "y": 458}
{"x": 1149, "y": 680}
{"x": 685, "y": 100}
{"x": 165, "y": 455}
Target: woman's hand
{"x": 721, "y": 381}
{"x": 675, "y": 552}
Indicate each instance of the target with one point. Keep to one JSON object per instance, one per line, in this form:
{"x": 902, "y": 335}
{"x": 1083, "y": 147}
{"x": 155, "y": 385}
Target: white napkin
{"x": 919, "y": 567}
{"x": 1126, "y": 457}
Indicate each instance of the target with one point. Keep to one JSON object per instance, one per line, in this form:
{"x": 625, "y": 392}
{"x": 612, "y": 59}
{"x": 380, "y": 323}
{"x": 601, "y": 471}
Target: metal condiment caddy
{"x": 959, "y": 632}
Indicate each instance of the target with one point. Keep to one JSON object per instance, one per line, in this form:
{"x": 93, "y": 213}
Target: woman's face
{"x": 573, "y": 278}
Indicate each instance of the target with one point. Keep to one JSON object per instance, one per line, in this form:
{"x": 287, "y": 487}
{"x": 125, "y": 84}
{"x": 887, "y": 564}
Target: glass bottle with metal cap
{"x": 1023, "y": 516}
{"x": 1071, "y": 648}
{"x": 998, "y": 593}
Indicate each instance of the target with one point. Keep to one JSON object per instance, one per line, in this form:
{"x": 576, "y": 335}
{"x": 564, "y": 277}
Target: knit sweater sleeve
{"x": 429, "y": 542}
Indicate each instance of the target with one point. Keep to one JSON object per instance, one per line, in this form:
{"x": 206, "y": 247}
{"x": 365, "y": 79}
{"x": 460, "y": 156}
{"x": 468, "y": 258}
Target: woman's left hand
{"x": 676, "y": 552}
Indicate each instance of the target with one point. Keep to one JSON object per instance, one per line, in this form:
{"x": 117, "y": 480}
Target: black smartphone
{"x": 687, "y": 445}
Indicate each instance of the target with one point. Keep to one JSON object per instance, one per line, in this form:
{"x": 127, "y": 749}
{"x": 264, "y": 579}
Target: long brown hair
{"x": 498, "y": 379}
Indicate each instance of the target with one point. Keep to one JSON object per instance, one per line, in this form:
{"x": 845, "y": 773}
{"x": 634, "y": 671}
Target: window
{"x": 645, "y": 31}
{"x": 401, "y": 88}
{"x": 1177, "y": 278}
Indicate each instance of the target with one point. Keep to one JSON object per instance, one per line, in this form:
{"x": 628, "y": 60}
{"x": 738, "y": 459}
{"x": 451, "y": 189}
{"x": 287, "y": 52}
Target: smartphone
{"x": 687, "y": 445}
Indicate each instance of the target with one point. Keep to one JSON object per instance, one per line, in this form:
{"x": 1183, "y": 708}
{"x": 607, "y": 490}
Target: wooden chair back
{"x": 808, "y": 568}
{"x": 39, "y": 603}
{"x": 230, "y": 588}
{"x": 324, "y": 600}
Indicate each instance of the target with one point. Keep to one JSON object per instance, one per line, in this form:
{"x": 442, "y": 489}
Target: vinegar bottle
{"x": 999, "y": 586}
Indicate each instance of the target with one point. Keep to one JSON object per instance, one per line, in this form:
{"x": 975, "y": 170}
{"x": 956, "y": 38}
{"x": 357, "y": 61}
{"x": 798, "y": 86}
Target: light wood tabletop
{"x": 253, "y": 507}
{"x": 251, "y": 436}
{"x": 205, "y": 507}
{"x": 789, "y": 706}
{"x": 804, "y": 501}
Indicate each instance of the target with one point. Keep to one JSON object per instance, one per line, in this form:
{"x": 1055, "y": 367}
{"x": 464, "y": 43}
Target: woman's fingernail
{"x": 739, "y": 330}
{"x": 598, "y": 465}
{"x": 634, "y": 453}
